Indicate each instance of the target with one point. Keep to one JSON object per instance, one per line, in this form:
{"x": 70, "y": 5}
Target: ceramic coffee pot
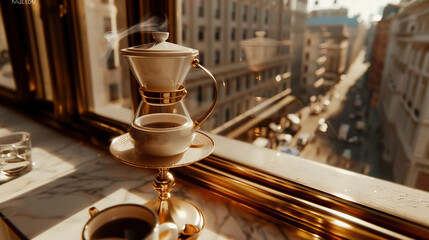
{"x": 162, "y": 126}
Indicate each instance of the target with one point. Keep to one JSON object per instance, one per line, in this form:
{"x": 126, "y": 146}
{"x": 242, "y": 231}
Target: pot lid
{"x": 160, "y": 46}
{"x": 260, "y": 40}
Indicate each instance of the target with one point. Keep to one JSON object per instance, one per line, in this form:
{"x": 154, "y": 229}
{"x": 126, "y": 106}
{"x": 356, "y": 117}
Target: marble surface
{"x": 69, "y": 177}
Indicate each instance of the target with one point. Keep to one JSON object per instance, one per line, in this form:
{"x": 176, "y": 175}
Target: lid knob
{"x": 160, "y": 36}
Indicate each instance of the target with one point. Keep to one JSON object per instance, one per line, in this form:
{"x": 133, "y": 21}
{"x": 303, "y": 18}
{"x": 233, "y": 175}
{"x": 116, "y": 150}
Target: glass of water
{"x": 15, "y": 154}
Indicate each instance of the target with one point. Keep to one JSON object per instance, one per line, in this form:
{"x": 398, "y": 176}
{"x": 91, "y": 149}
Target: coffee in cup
{"x": 126, "y": 221}
{"x": 162, "y": 134}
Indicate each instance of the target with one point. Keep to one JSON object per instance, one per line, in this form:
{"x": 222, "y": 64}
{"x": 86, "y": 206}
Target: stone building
{"x": 404, "y": 98}
{"x": 313, "y": 62}
{"x": 217, "y": 29}
{"x": 378, "y": 50}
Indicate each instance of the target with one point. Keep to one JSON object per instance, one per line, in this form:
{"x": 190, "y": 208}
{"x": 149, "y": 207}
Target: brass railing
{"x": 309, "y": 210}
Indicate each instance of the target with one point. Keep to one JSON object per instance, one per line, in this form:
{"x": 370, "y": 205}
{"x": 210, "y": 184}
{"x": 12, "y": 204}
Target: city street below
{"x": 350, "y": 138}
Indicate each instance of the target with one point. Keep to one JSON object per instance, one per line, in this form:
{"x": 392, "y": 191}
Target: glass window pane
{"x": 6, "y": 72}
{"x": 44, "y": 84}
{"x": 237, "y": 56}
{"x": 329, "y": 117}
{"x": 102, "y": 25}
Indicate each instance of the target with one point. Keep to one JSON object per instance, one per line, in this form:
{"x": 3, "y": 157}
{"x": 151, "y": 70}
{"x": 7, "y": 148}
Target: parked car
{"x": 294, "y": 123}
{"x": 360, "y": 125}
{"x": 261, "y": 142}
{"x": 343, "y": 132}
{"x": 274, "y": 127}
{"x": 354, "y": 140}
{"x": 315, "y": 109}
{"x": 322, "y": 125}
{"x": 303, "y": 140}
{"x": 284, "y": 137}
{"x": 290, "y": 150}
{"x": 355, "y": 115}
{"x": 347, "y": 154}
{"x": 325, "y": 105}
{"x": 323, "y": 128}
{"x": 358, "y": 101}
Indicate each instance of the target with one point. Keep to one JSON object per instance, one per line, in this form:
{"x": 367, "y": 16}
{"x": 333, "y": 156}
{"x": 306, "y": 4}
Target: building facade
{"x": 336, "y": 42}
{"x": 346, "y": 41}
{"x": 404, "y": 98}
{"x": 313, "y": 62}
{"x": 299, "y": 25}
{"x": 216, "y": 29}
{"x": 378, "y": 50}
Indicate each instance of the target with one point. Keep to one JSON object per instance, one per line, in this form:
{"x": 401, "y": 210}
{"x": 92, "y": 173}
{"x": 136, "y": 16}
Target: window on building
{"x": 201, "y": 31}
{"x": 200, "y": 94}
{"x": 232, "y": 34}
{"x": 266, "y": 16}
{"x": 111, "y": 61}
{"x": 217, "y": 57}
{"x": 244, "y": 13}
{"x": 232, "y": 55}
{"x": 227, "y": 84}
{"x": 217, "y": 9}
{"x": 114, "y": 92}
{"x": 307, "y": 56}
{"x": 308, "y": 42}
{"x": 227, "y": 114}
{"x": 201, "y": 58}
{"x": 184, "y": 33}
{"x": 217, "y": 34}
{"x": 233, "y": 10}
{"x": 201, "y": 8}
{"x": 247, "y": 80}
{"x": 255, "y": 15}
{"x": 213, "y": 93}
{"x": 107, "y": 24}
{"x": 244, "y": 36}
{"x": 183, "y": 8}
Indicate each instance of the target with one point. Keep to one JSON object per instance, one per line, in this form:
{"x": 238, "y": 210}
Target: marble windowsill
{"x": 69, "y": 177}
{"x": 398, "y": 200}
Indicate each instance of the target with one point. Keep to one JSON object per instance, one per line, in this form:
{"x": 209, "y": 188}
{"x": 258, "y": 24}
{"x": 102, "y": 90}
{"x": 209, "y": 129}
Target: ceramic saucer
{"x": 122, "y": 148}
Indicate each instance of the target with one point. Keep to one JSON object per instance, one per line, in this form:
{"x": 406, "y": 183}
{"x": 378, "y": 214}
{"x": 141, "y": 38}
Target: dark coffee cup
{"x": 126, "y": 221}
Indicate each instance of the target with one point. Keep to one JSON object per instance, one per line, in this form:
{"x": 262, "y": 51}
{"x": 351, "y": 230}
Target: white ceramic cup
{"x": 99, "y": 219}
{"x": 162, "y": 141}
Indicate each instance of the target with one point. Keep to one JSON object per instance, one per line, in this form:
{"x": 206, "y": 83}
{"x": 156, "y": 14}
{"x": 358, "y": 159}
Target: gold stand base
{"x": 188, "y": 218}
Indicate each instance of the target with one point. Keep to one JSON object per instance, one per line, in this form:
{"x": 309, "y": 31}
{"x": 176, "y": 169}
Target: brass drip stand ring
{"x": 155, "y": 97}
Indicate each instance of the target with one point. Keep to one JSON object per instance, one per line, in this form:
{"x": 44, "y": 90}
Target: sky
{"x": 366, "y": 8}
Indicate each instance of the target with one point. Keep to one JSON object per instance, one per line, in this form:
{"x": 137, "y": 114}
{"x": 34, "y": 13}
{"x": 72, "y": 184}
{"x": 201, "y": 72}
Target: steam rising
{"x": 153, "y": 24}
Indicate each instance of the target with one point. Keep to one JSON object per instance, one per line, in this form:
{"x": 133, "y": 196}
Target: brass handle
{"x": 198, "y": 122}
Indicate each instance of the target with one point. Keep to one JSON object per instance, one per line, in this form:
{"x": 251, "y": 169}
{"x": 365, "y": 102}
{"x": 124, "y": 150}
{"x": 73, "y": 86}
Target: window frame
{"x": 22, "y": 73}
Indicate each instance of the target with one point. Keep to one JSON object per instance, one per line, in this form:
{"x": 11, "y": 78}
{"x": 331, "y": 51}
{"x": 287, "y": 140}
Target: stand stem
{"x": 163, "y": 183}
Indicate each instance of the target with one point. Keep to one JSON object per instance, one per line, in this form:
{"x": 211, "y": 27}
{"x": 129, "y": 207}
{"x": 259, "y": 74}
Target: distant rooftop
{"x": 335, "y": 20}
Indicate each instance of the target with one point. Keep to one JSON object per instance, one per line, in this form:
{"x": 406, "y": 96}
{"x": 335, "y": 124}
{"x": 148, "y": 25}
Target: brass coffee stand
{"x": 188, "y": 218}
